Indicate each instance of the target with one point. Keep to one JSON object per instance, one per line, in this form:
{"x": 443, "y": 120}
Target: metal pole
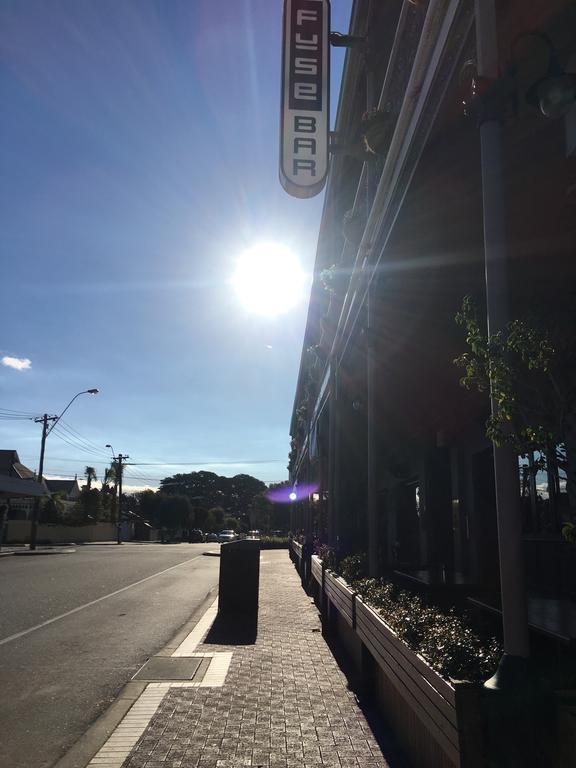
{"x": 36, "y": 507}
{"x": 373, "y": 543}
{"x": 514, "y": 608}
{"x": 119, "y": 459}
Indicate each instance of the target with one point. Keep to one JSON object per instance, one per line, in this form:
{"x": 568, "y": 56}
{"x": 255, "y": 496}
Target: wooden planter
{"x": 317, "y": 570}
{"x": 297, "y": 555}
{"x": 339, "y": 594}
{"x": 439, "y": 723}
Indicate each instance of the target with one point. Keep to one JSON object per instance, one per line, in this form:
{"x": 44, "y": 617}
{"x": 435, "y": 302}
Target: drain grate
{"x": 173, "y": 668}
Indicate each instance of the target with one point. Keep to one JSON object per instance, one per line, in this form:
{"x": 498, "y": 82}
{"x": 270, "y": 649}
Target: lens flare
{"x": 269, "y": 279}
{"x": 289, "y": 495}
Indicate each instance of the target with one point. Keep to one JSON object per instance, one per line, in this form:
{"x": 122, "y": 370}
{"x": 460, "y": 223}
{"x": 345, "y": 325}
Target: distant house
{"x": 69, "y": 490}
{"x": 11, "y": 466}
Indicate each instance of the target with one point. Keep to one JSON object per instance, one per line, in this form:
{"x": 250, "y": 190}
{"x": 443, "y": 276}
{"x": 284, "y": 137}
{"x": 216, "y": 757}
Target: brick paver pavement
{"x": 285, "y": 702}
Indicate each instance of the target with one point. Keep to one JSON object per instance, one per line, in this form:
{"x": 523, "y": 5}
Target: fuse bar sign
{"x": 304, "y": 117}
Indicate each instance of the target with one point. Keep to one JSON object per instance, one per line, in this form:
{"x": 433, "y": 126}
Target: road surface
{"x": 75, "y": 627}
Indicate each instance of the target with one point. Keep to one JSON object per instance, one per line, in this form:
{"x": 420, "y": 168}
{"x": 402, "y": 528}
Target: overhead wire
{"x": 57, "y": 432}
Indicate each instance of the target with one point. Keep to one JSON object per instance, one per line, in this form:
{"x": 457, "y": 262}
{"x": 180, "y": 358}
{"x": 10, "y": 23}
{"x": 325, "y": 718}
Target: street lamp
{"x": 45, "y": 432}
{"x": 84, "y": 392}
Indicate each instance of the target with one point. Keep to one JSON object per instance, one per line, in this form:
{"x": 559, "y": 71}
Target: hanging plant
{"x": 317, "y": 354}
{"x": 327, "y": 277}
{"x": 353, "y": 227}
{"x": 377, "y": 131}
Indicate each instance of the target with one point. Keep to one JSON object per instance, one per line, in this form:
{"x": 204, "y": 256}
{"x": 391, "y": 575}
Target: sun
{"x": 269, "y": 279}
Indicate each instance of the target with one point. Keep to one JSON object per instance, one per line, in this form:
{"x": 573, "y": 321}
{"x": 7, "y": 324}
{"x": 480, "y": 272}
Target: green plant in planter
{"x": 444, "y": 640}
{"x": 377, "y": 129}
{"x": 569, "y": 532}
{"x": 327, "y": 554}
{"x": 354, "y": 567}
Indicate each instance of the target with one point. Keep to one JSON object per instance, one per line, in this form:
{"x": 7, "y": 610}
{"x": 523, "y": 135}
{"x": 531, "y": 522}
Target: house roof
{"x": 61, "y": 486}
{"x": 11, "y": 487}
{"x": 11, "y": 466}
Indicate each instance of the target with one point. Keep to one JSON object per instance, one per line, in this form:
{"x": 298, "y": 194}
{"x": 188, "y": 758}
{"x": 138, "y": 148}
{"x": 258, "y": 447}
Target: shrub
{"x": 449, "y": 646}
{"x": 274, "y": 542}
{"x": 327, "y": 554}
{"x": 353, "y": 567}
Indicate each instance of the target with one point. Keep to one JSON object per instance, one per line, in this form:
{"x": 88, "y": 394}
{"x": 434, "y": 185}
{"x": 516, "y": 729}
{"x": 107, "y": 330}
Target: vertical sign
{"x": 305, "y": 97}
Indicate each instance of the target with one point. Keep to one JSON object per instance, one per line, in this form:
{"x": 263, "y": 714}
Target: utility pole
{"x": 119, "y": 459}
{"x": 36, "y": 508}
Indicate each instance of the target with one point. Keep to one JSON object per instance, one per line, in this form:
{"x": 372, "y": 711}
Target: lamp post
{"x": 118, "y": 459}
{"x": 45, "y": 432}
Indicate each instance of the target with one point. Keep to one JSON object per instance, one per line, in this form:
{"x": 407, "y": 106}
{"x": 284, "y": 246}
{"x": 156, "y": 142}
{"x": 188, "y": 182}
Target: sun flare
{"x": 269, "y": 279}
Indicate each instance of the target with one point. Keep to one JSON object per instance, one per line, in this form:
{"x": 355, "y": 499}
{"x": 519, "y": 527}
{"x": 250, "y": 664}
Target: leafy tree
{"x": 215, "y": 519}
{"x": 207, "y": 490}
{"x": 149, "y": 506}
{"x": 242, "y": 490}
{"x": 52, "y": 509}
{"x": 260, "y": 512}
{"x": 90, "y": 475}
{"x": 230, "y": 524}
{"x": 88, "y": 508}
{"x": 174, "y": 512}
{"x": 530, "y": 370}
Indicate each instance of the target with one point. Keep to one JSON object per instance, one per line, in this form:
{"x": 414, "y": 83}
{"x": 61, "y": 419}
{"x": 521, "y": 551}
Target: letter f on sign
{"x": 302, "y": 16}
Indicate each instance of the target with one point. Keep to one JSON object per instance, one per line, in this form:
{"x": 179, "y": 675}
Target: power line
{"x": 86, "y": 444}
{"x": 215, "y": 462}
{"x": 65, "y": 439}
{"x": 84, "y": 439}
{"x": 18, "y": 413}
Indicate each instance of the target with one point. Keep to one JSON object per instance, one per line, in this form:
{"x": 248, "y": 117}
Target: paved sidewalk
{"x": 285, "y": 703}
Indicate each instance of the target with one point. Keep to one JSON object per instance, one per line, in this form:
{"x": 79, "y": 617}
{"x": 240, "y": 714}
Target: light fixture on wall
{"x": 555, "y": 93}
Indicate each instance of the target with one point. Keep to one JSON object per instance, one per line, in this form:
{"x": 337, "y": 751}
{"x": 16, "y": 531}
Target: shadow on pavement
{"x": 233, "y": 629}
{"x": 381, "y": 730}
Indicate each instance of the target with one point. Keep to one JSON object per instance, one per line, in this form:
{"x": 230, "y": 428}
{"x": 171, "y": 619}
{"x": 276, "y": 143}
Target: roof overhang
{"x": 14, "y": 487}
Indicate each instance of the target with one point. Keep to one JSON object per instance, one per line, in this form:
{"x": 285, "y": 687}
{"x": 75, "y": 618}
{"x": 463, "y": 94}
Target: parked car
{"x": 253, "y": 535}
{"x": 195, "y": 535}
{"x": 212, "y": 537}
{"x": 226, "y": 536}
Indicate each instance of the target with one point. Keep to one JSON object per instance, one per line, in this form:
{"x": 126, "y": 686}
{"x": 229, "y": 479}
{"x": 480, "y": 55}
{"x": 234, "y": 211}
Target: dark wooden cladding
{"x": 341, "y": 596}
{"x": 317, "y": 569}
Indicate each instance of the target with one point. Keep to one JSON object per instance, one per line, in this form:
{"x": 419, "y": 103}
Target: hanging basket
{"x": 376, "y": 131}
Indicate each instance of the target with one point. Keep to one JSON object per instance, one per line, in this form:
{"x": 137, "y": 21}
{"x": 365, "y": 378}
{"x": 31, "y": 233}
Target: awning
{"x": 15, "y": 487}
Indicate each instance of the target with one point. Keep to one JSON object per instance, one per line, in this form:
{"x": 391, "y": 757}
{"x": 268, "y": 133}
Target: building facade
{"x": 453, "y": 158}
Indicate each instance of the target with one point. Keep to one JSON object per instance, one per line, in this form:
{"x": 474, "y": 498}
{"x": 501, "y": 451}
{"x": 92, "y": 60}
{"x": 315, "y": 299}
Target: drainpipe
{"x": 514, "y": 609}
{"x": 372, "y": 512}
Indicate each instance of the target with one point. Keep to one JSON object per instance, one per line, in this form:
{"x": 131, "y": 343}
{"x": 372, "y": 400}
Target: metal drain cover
{"x": 169, "y": 668}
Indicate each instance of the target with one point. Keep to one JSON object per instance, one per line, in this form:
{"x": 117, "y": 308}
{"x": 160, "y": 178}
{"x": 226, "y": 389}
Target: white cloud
{"x": 18, "y": 363}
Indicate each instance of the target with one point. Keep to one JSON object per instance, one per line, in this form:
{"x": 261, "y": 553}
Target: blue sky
{"x": 138, "y": 159}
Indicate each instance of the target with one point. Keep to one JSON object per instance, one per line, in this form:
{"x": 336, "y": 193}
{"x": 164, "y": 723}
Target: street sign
{"x": 304, "y": 117}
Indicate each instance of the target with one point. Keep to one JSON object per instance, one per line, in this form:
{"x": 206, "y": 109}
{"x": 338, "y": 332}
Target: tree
{"x": 90, "y": 474}
{"x": 242, "y": 490}
{"x": 214, "y": 520}
{"x": 207, "y": 489}
{"x": 260, "y": 513}
{"x": 88, "y": 508}
{"x": 51, "y": 511}
{"x": 530, "y": 370}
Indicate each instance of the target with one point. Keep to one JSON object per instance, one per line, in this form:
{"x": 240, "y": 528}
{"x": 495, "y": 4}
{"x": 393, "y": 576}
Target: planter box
{"x": 317, "y": 570}
{"x": 439, "y": 723}
{"x": 297, "y": 555}
{"x": 341, "y": 597}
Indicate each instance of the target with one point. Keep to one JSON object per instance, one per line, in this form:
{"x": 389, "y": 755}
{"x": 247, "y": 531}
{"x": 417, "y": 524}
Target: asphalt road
{"x": 75, "y": 627}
